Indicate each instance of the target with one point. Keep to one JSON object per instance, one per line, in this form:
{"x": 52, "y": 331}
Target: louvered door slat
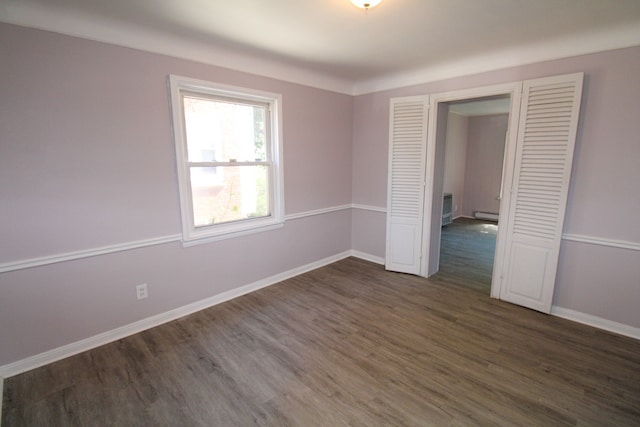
{"x": 546, "y": 137}
{"x": 407, "y": 148}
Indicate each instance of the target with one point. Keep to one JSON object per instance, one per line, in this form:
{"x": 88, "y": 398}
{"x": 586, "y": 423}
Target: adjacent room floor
{"x": 346, "y": 344}
{"x": 467, "y": 248}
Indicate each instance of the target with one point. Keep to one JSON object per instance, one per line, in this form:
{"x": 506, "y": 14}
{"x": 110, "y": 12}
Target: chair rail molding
{"x": 137, "y": 244}
{"x": 70, "y": 256}
{"x": 622, "y": 244}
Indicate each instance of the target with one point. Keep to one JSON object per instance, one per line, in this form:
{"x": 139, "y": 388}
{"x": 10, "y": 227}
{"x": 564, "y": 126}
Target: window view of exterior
{"x": 228, "y": 162}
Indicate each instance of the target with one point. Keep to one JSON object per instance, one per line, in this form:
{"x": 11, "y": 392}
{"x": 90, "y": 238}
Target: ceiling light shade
{"x": 366, "y": 4}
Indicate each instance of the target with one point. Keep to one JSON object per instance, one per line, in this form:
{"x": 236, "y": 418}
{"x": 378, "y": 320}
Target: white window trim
{"x": 190, "y": 234}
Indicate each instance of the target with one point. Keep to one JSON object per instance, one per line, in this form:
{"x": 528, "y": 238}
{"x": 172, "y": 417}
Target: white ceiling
{"x": 334, "y": 45}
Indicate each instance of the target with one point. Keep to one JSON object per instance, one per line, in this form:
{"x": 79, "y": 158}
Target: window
{"x": 228, "y": 152}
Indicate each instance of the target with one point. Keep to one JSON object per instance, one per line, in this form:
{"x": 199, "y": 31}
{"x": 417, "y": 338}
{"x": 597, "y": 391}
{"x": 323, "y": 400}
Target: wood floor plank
{"x": 347, "y": 344}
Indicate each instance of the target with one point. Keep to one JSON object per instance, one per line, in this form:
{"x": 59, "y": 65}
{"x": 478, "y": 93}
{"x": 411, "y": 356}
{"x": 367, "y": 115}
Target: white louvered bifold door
{"x": 546, "y": 139}
{"x": 405, "y": 187}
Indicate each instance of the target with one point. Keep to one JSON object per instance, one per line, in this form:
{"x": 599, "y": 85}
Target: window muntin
{"x": 228, "y": 151}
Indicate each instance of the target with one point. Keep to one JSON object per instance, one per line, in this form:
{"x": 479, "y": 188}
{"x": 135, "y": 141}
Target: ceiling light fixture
{"x": 366, "y": 4}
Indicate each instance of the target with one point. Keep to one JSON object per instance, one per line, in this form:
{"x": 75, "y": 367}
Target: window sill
{"x": 201, "y": 240}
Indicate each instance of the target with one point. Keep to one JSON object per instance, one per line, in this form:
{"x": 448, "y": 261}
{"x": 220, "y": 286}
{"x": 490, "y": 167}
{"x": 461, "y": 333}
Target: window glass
{"x": 223, "y": 131}
{"x": 229, "y": 193}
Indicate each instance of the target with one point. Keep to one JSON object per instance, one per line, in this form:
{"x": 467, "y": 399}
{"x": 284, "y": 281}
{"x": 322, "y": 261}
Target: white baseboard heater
{"x": 485, "y": 215}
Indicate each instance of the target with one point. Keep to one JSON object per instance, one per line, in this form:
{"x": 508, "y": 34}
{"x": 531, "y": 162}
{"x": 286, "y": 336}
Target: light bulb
{"x": 366, "y": 4}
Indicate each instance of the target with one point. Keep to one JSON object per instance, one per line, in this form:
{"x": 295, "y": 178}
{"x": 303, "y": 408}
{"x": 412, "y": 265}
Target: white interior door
{"x": 546, "y": 137}
{"x": 406, "y": 183}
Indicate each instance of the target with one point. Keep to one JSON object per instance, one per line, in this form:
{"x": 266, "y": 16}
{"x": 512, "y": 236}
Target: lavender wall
{"x": 87, "y": 160}
{"x": 455, "y": 159}
{"x": 474, "y": 184}
{"x": 485, "y": 151}
{"x": 603, "y": 198}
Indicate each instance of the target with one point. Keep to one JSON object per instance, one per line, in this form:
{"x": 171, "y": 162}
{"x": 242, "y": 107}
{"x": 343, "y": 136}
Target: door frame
{"x": 432, "y": 225}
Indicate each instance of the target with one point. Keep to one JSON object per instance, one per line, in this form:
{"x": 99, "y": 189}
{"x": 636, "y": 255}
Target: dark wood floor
{"x": 346, "y": 344}
{"x": 467, "y": 249}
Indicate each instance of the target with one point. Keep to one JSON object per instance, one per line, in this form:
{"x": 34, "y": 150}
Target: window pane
{"x": 224, "y": 131}
{"x": 229, "y": 193}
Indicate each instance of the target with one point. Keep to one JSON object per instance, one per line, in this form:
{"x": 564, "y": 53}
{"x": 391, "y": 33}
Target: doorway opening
{"x": 489, "y": 112}
{"x": 474, "y": 153}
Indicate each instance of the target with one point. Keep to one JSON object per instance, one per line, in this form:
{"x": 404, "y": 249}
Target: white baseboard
{"x": 367, "y": 257}
{"x": 596, "y": 322}
{"x": 59, "y": 353}
{"x": 1, "y": 397}
{"x": 71, "y": 349}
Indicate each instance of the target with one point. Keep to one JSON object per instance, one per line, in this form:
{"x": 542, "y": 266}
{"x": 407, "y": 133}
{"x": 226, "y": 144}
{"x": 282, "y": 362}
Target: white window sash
{"x": 180, "y": 87}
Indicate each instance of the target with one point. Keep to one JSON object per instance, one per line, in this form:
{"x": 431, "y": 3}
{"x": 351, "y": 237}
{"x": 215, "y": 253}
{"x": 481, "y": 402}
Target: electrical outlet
{"x": 141, "y": 291}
